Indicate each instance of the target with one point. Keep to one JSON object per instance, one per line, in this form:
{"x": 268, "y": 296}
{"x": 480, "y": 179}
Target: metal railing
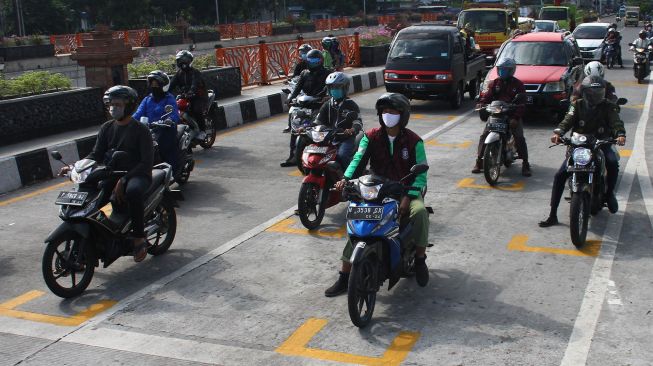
{"x": 245, "y": 30}
{"x": 331, "y": 24}
{"x": 265, "y": 62}
{"x": 67, "y": 43}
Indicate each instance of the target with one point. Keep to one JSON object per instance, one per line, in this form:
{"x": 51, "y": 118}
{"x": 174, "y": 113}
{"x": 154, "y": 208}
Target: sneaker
{"x": 286, "y": 130}
{"x": 613, "y": 205}
{"x": 478, "y": 166}
{"x": 526, "y": 169}
{"x": 289, "y": 162}
{"x": 340, "y": 287}
{"x": 550, "y": 221}
{"x": 421, "y": 271}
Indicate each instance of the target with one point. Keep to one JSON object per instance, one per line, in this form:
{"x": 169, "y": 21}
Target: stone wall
{"x": 31, "y": 117}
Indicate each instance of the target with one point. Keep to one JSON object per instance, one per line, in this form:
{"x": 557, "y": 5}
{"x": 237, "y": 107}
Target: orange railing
{"x": 67, "y": 43}
{"x": 245, "y": 30}
{"x": 429, "y": 17}
{"x": 266, "y": 62}
{"x": 386, "y": 19}
{"x": 331, "y": 24}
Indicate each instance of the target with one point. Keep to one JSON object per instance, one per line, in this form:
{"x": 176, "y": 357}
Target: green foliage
{"x": 33, "y": 82}
{"x": 167, "y": 65}
{"x": 201, "y": 29}
{"x": 164, "y": 31}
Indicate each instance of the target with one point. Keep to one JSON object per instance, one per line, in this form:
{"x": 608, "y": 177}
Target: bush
{"x": 201, "y": 29}
{"x": 35, "y": 40}
{"x": 167, "y": 65}
{"x": 374, "y": 36}
{"x": 280, "y": 24}
{"x": 33, "y": 82}
{"x": 164, "y": 31}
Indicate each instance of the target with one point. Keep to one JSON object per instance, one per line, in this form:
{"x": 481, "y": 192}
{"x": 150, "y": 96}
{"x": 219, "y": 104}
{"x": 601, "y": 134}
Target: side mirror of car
{"x": 419, "y": 169}
{"x": 56, "y": 155}
{"x": 622, "y": 101}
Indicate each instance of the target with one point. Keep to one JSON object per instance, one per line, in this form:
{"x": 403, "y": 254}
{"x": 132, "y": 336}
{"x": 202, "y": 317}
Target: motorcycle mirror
{"x": 169, "y": 108}
{"x": 622, "y": 101}
{"x": 631, "y": 44}
{"x": 119, "y": 159}
{"x": 56, "y": 155}
{"x": 419, "y": 169}
{"x": 286, "y": 90}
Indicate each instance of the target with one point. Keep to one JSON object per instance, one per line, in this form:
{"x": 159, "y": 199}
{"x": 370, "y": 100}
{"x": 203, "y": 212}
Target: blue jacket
{"x": 153, "y": 110}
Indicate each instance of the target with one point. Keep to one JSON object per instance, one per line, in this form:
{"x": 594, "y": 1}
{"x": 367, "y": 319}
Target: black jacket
{"x": 189, "y": 81}
{"x": 312, "y": 82}
{"x": 334, "y": 113}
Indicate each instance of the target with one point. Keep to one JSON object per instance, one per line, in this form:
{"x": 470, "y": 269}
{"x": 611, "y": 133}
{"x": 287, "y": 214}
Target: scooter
{"x": 96, "y": 227}
{"x": 183, "y": 104}
{"x": 301, "y": 115}
{"x": 610, "y": 54}
{"x": 641, "y": 62}
{"x": 382, "y": 246}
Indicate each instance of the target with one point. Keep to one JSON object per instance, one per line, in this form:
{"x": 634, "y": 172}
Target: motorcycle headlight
{"x": 556, "y": 86}
{"x": 582, "y": 156}
{"x": 318, "y": 136}
{"x": 77, "y": 177}
{"x": 493, "y": 109}
{"x": 370, "y": 192}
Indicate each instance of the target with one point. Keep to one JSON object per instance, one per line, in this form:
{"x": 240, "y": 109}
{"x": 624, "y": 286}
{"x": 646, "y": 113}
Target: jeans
{"x": 517, "y": 130}
{"x": 560, "y": 178}
{"x": 135, "y": 196}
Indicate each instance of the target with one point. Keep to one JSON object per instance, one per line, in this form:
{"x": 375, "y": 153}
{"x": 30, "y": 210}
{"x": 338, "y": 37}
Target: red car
{"x": 549, "y": 64}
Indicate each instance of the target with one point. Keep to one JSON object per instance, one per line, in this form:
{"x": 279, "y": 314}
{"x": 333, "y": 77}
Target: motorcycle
{"x": 95, "y": 226}
{"x": 499, "y": 144}
{"x": 641, "y": 62}
{"x": 382, "y": 246}
{"x": 183, "y": 104}
{"x": 610, "y": 53}
{"x": 321, "y": 172}
{"x": 301, "y": 115}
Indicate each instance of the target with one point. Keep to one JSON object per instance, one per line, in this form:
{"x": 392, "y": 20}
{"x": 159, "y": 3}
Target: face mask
{"x": 337, "y": 93}
{"x": 116, "y": 112}
{"x": 503, "y": 73}
{"x": 303, "y": 56}
{"x": 157, "y": 92}
{"x": 390, "y": 120}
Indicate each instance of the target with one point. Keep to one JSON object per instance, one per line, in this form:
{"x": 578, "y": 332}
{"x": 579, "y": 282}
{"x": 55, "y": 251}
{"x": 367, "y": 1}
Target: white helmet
{"x": 594, "y": 68}
{"x": 611, "y": 30}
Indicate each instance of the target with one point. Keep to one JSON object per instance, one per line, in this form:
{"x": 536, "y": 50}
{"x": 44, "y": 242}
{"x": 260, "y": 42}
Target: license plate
{"x": 71, "y": 198}
{"x": 417, "y": 86}
{"x": 365, "y": 213}
{"x": 497, "y": 127}
{"x": 316, "y": 149}
{"x": 529, "y": 99}
{"x": 573, "y": 169}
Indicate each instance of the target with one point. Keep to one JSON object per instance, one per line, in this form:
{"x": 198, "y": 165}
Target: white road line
{"x": 647, "y": 189}
{"x": 585, "y": 325}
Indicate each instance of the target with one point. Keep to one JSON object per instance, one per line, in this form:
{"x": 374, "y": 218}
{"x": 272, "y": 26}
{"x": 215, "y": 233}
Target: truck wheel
{"x": 456, "y": 98}
{"x": 474, "y": 87}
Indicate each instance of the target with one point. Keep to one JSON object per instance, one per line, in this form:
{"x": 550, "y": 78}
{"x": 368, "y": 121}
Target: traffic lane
{"x": 222, "y": 200}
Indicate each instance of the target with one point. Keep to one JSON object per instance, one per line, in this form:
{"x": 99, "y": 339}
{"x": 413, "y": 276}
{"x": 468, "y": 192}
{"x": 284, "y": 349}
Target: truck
{"x": 430, "y": 62}
{"x": 564, "y": 15}
{"x": 632, "y": 16}
{"x": 492, "y": 24}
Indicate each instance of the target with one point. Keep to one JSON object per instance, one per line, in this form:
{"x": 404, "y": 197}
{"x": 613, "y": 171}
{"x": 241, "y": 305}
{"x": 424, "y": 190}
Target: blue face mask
{"x": 503, "y": 73}
{"x": 337, "y": 93}
{"x": 303, "y": 56}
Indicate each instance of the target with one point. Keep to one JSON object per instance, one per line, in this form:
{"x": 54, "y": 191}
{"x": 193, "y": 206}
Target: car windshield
{"x": 544, "y": 26}
{"x": 535, "y": 53}
{"x": 590, "y": 32}
{"x": 554, "y": 14}
{"x": 484, "y": 21}
{"x": 631, "y": 14}
{"x": 420, "y": 46}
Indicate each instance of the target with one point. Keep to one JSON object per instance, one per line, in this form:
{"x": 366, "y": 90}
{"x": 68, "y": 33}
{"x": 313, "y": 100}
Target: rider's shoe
{"x": 550, "y": 221}
{"x": 421, "y": 271}
{"x": 340, "y": 287}
{"x": 613, "y": 205}
{"x": 526, "y": 169}
{"x": 286, "y": 130}
{"x": 478, "y": 166}
{"x": 291, "y": 161}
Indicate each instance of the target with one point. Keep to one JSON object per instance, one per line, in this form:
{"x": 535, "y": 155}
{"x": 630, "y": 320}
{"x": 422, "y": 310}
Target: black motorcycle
{"x": 95, "y": 226}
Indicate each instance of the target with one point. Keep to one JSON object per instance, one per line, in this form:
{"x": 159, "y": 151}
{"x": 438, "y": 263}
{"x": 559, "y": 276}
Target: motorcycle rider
{"x": 505, "y": 88}
{"x": 312, "y": 83}
{"x": 327, "y": 43}
{"x": 153, "y": 107}
{"x": 188, "y": 80}
{"x": 334, "y": 112}
{"x": 642, "y": 42}
{"x": 124, "y": 133}
{"x": 337, "y": 56}
{"x": 648, "y": 27}
{"x": 595, "y": 68}
{"x": 590, "y": 115}
{"x": 302, "y": 64}
{"x": 614, "y": 36}
{"x": 392, "y": 149}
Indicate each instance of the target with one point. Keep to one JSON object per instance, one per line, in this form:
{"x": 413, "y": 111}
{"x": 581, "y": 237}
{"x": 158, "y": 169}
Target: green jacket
{"x": 328, "y": 60}
{"x": 602, "y": 122}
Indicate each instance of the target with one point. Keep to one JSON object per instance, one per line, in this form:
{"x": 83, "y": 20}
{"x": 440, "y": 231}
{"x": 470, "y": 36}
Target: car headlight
{"x": 556, "y": 86}
{"x": 582, "y": 156}
{"x": 318, "y": 136}
{"x": 77, "y": 177}
{"x": 370, "y": 192}
{"x": 391, "y": 75}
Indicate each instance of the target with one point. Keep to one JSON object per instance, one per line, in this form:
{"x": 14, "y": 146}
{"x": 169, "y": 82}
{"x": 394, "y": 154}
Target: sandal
{"x": 140, "y": 252}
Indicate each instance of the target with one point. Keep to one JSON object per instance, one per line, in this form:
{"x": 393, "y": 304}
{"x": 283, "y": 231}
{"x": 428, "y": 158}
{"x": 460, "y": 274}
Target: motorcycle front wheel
{"x": 361, "y": 291}
{"x": 579, "y": 216}
{"x": 310, "y": 206}
{"x": 492, "y": 162}
{"x": 166, "y": 218}
{"x": 209, "y": 140}
{"x": 67, "y": 271}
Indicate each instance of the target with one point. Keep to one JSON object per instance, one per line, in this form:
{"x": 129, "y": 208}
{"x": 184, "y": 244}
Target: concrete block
{"x": 233, "y": 115}
{"x": 10, "y": 178}
{"x": 365, "y": 79}
{"x": 262, "y": 107}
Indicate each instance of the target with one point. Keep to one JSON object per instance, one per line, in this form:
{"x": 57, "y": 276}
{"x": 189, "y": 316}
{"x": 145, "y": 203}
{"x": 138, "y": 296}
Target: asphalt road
{"x": 243, "y": 283}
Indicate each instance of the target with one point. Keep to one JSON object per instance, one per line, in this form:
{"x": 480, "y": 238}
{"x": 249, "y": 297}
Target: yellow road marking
{"x": 296, "y": 345}
{"x": 8, "y": 309}
{"x": 590, "y": 249}
{"x": 296, "y": 173}
{"x": 625, "y": 153}
{"x": 634, "y": 106}
{"x": 462, "y": 145}
{"x": 34, "y": 194}
{"x": 423, "y": 116}
{"x": 469, "y": 183}
{"x": 284, "y": 226}
{"x": 630, "y": 83}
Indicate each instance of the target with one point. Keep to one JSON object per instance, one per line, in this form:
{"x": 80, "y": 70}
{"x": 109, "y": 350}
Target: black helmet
{"x": 314, "y": 59}
{"x": 506, "y": 68}
{"x": 395, "y": 101}
{"x": 327, "y": 42}
{"x": 305, "y": 48}
{"x": 122, "y": 92}
{"x": 613, "y": 25}
{"x": 335, "y": 43}
{"x": 593, "y": 90}
{"x": 184, "y": 58}
{"x": 160, "y": 77}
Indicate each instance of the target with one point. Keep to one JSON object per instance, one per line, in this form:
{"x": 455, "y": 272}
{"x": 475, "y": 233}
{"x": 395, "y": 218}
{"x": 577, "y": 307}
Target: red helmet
{"x": 183, "y": 104}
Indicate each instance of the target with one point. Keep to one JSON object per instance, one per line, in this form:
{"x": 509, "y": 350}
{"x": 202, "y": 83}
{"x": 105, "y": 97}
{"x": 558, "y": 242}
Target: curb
{"x": 37, "y": 166}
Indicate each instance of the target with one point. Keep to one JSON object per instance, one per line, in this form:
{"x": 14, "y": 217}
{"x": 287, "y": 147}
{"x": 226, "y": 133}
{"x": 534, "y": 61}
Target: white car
{"x": 546, "y": 26}
{"x": 589, "y": 37}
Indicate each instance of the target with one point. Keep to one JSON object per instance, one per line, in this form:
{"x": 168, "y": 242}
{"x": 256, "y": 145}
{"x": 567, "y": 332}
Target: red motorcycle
{"x": 183, "y": 103}
{"x": 321, "y": 173}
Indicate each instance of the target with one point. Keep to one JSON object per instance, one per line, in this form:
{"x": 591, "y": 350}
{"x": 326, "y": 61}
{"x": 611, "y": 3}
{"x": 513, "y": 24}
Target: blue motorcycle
{"x": 382, "y": 246}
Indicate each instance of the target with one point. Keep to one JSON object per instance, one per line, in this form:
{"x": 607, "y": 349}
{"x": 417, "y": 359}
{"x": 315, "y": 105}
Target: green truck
{"x": 632, "y": 16}
{"x": 564, "y": 15}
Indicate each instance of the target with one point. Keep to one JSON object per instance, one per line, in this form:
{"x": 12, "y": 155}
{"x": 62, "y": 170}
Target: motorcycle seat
{"x": 158, "y": 176}
{"x": 181, "y": 128}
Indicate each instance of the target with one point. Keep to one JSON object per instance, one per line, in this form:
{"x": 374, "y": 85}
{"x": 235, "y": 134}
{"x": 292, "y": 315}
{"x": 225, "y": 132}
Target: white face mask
{"x": 390, "y": 120}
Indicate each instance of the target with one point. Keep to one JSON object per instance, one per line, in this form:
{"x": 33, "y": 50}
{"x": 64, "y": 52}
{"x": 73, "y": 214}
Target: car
{"x": 546, "y": 26}
{"x": 589, "y": 37}
{"x": 549, "y": 64}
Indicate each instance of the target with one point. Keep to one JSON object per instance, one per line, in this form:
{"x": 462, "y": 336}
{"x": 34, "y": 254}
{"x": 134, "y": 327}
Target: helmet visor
{"x": 314, "y": 61}
{"x": 594, "y": 96}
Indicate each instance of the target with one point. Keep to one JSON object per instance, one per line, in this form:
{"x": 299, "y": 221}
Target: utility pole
{"x": 217, "y": 13}
{"x": 20, "y": 22}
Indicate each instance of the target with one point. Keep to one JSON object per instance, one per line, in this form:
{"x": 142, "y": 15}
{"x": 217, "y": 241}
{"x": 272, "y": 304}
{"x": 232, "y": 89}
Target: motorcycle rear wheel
{"x": 491, "y": 162}
{"x": 167, "y": 220}
{"x": 310, "y": 206}
{"x": 62, "y": 259}
{"x": 579, "y": 216}
{"x": 209, "y": 140}
{"x": 361, "y": 292}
